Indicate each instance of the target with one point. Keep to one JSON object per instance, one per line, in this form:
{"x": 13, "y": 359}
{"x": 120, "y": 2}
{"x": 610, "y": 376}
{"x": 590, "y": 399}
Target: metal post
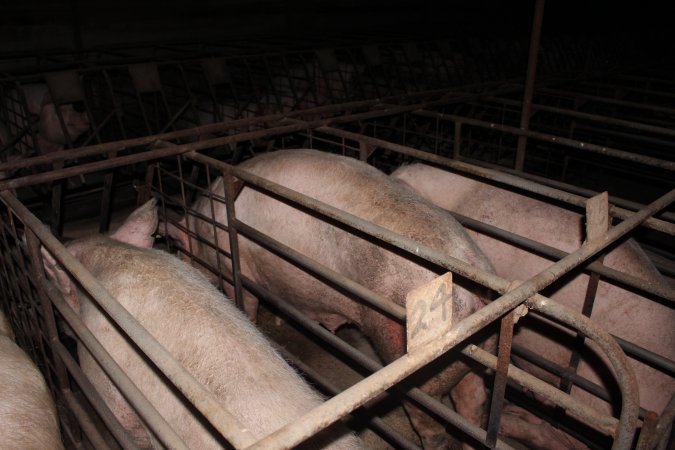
{"x": 529, "y": 82}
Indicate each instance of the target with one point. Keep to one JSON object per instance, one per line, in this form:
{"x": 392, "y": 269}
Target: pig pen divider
{"x": 459, "y": 267}
{"x": 196, "y": 156}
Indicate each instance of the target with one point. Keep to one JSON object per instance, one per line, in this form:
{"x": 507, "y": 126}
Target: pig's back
{"x": 207, "y": 334}
{"x": 364, "y": 191}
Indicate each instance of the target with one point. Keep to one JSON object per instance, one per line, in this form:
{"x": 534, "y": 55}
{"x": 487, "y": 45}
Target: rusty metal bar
{"x": 502, "y": 368}
{"x": 377, "y": 301}
{"x": 529, "y": 82}
{"x": 230, "y": 196}
{"x": 33, "y": 244}
{"x": 376, "y": 423}
{"x": 363, "y": 391}
{"x": 608, "y": 100}
{"x": 585, "y": 146}
{"x": 383, "y": 110}
{"x": 592, "y": 117}
{"x": 227, "y": 425}
{"x": 604, "y": 423}
{"x": 491, "y": 174}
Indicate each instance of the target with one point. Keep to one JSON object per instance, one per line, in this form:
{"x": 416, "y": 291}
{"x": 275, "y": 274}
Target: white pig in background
{"x": 202, "y": 329}
{"x": 621, "y": 312}
{"x": 28, "y": 418}
{"x": 50, "y": 134}
{"x": 364, "y": 191}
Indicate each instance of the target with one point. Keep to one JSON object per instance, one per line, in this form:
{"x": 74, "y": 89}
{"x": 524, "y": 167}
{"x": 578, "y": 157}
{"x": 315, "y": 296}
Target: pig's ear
{"x": 140, "y": 225}
{"x": 61, "y": 279}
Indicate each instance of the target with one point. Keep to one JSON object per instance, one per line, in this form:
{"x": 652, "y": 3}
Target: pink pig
{"x": 621, "y": 312}
{"x": 202, "y": 329}
{"x": 361, "y": 190}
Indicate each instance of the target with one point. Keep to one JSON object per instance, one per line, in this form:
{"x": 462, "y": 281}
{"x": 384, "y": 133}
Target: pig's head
{"x": 75, "y": 119}
{"x": 137, "y": 230}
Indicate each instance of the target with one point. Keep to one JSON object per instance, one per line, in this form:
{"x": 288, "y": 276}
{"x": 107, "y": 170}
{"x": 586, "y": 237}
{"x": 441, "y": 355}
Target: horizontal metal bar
{"x": 379, "y": 302}
{"x": 607, "y": 100}
{"x": 591, "y": 117}
{"x": 558, "y": 140}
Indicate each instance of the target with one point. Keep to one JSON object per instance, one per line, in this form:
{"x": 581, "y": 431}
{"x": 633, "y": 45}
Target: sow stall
{"x": 174, "y": 172}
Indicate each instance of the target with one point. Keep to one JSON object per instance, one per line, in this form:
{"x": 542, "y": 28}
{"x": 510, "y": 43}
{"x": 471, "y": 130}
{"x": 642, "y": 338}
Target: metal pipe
{"x": 376, "y": 423}
{"x": 592, "y": 117}
{"x": 608, "y": 100}
{"x": 223, "y": 421}
{"x": 558, "y": 140}
{"x": 529, "y": 82}
{"x": 333, "y": 409}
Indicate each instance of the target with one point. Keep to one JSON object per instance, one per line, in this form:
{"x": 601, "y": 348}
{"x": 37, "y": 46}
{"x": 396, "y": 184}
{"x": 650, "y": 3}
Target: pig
{"x": 203, "y": 330}
{"x": 48, "y": 130}
{"x": 28, "y": 418}
{"x": 364, "y": 191}
{"x": 51, "y": 134}
{"x": 621, "y": 312}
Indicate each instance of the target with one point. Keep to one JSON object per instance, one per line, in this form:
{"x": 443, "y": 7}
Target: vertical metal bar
{"x": 499, "y": 387}
{"x": 457, "y": 145}
{"x": 529, "y": 82}
{"x": 106, "y": 198}
{"x": 230, "y": 195}
{"x": 597, "y": 223}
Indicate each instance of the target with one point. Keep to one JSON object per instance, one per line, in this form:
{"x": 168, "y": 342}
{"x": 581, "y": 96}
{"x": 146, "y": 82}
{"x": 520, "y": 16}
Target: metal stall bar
{"x": 226, "y": 424}
{"x": 489, "y": 174}
{"x": 613, "y": 351}
{"x": 585, "y": 146}
{"x": 592, "y": 117}
{"x": 529, "y": 82}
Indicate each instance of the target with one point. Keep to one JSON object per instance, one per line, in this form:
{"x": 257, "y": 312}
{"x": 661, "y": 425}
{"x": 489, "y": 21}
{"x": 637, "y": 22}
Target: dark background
{"x": 34, "y": 25}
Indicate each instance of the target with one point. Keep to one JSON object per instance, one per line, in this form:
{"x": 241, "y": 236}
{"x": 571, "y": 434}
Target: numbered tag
{"x": 429, "y": 311}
